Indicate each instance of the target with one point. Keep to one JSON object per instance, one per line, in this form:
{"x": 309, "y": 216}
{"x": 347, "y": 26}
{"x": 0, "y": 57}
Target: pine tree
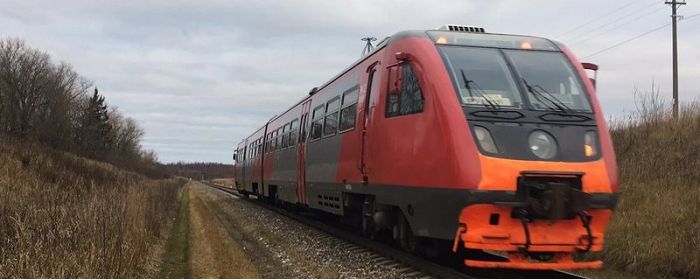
{"x": 95, "y": 130}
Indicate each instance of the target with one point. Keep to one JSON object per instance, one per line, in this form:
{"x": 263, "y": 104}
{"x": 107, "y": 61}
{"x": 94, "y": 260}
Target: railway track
{"x": 408, "y": 265}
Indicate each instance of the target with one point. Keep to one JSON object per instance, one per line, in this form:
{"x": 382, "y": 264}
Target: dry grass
{"x": 654, "y": 231}
{"x": 176, "y": 256}
{"x": 226, "y": 182}
{"x": 248, "y": 227}
{"x": 62, "y": 216}
{"x": 214, "y": 253}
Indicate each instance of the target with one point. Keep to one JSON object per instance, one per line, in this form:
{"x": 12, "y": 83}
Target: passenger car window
{"x": 317, "y": 124}
{"x": 285, "y": 136}
{"x": 279, "y": 138}
{"x": 330, "y": 123}
{"x": 348, "y": 111}
{"x": 294, "y": 132}
{"x": 273, "y": 141}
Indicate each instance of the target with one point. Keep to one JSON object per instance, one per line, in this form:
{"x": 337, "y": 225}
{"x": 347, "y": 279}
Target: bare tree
{"x": 51, "y": 104}
{"x": 25, "y": 73}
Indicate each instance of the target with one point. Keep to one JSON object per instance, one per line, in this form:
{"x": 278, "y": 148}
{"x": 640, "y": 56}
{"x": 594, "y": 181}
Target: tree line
{"x": 50, "y": 103}
{"x": 200, "y": 170}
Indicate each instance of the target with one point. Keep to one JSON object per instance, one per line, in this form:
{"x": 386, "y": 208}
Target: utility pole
{"x": 674, "y": 19}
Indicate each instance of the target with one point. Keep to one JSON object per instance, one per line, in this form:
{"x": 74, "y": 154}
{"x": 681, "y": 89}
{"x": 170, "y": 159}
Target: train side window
{"x": 279, "y": 138}
{"x": 287, "y": 132}
{"x": 330, "y": 122}
{"x": 285, "y": 128}
{"x": 259, "y": 146}
{"x": 269, "y": 143}
{"x": 255, "y": 148}
{"x": 409, "y": 100}
{"x": 348, "y": 109}
{"x": 317, "y": 124}
{"x": 294, "y": 132}
{"x": 273, "y": 141}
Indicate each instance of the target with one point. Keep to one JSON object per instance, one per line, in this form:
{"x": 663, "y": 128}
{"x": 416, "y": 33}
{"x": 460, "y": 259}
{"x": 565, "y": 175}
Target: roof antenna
{"x": 368, "y": 47}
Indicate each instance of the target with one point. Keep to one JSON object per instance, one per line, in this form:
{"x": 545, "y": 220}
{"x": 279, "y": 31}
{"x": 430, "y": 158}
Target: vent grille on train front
{"x": 462, "y": 28}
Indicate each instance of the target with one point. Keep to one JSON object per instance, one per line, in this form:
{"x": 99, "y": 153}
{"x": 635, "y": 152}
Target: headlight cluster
{"x": 590, "y": 148}
{"x": 541, "y": 143}
{"x": 483, "y": 136}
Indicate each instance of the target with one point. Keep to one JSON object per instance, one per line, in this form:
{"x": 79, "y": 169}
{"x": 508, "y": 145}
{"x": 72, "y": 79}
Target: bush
{"x": 653, "y": 233}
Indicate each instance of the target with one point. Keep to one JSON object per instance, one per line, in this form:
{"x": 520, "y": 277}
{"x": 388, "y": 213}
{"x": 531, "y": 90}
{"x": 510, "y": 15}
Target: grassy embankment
{"x": 62, "y": 216}
{"x": 654, "y": 230}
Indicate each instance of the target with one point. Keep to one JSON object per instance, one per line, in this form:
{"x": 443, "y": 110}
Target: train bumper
{"x": 493, "y": 228}
{"x": 540, "y": 226}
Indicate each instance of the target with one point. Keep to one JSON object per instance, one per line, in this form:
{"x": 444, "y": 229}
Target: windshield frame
{"x": 509, "y": 75}
{"x": 525, "y": 95}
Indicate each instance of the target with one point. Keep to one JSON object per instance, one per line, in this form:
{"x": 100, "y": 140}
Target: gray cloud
{"x": 201, "y": 75}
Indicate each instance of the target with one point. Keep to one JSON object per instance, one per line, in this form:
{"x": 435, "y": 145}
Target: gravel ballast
{"x": 298, "y": 250}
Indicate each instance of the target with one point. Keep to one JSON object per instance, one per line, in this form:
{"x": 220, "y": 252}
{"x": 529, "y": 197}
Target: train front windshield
{"x": 492, "y": 72}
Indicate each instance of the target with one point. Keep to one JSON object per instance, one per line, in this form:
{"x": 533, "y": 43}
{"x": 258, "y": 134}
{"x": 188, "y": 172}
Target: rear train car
{"x": 451, "y": 136}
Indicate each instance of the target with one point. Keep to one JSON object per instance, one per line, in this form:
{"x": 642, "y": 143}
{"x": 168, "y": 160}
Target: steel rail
{"x": 429, "y": 267}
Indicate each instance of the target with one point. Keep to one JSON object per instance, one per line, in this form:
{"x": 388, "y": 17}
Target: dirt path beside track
{"x": 211, "y": 239}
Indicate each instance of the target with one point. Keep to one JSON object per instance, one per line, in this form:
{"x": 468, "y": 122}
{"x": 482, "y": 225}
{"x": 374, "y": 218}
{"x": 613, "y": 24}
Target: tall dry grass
{"x": 654, "y": 232}
{"x": 63, "y": 216}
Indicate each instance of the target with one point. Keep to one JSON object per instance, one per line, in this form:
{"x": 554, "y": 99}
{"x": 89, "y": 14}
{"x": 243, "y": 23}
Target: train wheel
{"x": 403, "y": 235}
{"x": 276, "y": 200}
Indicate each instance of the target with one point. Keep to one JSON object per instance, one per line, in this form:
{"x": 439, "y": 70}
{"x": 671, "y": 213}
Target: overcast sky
{"x": 201, "y": 75}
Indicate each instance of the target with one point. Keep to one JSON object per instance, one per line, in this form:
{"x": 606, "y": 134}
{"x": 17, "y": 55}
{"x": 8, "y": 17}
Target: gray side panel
{"x": 325, "y": 197}
{"x": 322, "y": 160}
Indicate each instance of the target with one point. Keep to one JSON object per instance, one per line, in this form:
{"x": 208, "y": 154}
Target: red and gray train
{"x": 481, "y": 141}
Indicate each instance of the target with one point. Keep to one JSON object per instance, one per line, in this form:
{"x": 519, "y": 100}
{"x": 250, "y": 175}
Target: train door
{"x": 263, "y": 150}
{"x": 372, "y": 82}
{"x": 243, "y": 156}
{"x": 301, "y": 152}
{"x": 235, "y": 168}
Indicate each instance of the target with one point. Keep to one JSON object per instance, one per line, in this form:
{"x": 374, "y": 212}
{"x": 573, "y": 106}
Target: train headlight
{"x": 590, "y": 148}
{"x": 483, "y": 136}
{"x": 542, "y": 144}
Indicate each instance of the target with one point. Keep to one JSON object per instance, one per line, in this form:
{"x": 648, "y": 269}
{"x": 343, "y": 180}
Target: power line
{"x": 614, "y": 21}
{"x": 690, "y": 16}
{"x": 638, "y": 36}
{"x": 626, "y": 41}
{"x": 616, "y": 27}
{"x": 595, "y": 19}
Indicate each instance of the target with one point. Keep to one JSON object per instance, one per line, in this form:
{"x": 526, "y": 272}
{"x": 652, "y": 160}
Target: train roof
{"x": 450, "y": 29}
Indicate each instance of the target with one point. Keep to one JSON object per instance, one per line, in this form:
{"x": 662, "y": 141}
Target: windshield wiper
{"x": 551, "y": 99}
{"x": 494, "y": 105}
